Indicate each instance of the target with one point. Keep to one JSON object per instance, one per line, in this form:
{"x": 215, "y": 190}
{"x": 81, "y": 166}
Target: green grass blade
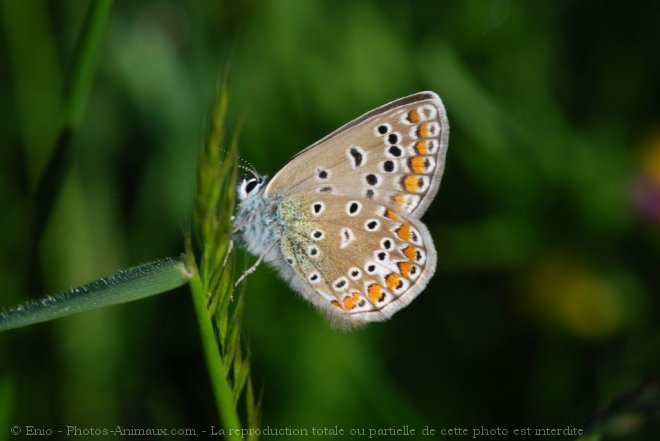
{"x": 124, "y": 286}
{"x": 77, "y": 90}
{"x": 85, "y": 62}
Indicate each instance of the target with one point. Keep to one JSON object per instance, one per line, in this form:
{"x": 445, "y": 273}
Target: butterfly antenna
{"x": 248, "y": 167}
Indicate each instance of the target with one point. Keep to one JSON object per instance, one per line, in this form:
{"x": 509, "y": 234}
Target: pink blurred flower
{"x": 645, "y": 192}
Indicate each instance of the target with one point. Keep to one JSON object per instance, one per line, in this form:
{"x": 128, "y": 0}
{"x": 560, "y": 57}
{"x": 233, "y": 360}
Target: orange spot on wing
{"x": 350, "y": 302}
{"x": 411, "y": 184}
{"x": 392, "y": 281}
{"x": 399, "y": 200}
{"x": 390, "y": 214}
{"x": 413, "y": 116}
{"x": 375, "y": 292}
{"x": 418, "y": 164}
{"x": 423, "y": 130}
{"x": 404, "y": 232}
{"x": 410, "y": 252}
{"x": 405, "y": 268}
{"x": 422, "y": 147}
{"x": 336, "y": 304}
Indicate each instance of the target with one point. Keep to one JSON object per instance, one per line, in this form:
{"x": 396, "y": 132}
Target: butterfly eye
{"x": 251, "y": 184}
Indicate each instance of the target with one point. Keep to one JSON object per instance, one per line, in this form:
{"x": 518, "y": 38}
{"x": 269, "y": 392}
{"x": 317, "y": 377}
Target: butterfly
{"x": 341, "y": 221}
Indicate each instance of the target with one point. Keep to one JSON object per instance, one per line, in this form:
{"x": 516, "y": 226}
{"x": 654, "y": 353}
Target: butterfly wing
{"x": 357, "y": 260}
{"x": 393, "y": 155}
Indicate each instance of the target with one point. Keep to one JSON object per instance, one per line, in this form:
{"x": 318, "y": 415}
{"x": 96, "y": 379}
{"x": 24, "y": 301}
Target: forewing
{"x": 357, "y": 260}
{"x": 393, "y": 155}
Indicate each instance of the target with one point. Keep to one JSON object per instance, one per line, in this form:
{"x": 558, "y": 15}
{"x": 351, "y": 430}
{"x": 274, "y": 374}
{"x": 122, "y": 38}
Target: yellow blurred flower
{"x": 650, "y": 164}
{"x": 567, "y": 293}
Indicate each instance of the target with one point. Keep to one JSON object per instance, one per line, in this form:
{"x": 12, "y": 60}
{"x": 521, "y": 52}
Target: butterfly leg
{"x": 253, "y": 268}
{"x": 230, "y": 248}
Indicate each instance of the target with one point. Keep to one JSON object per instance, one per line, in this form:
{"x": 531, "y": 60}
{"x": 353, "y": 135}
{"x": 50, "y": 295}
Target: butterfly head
{"x": 254, "y": 215}
{"x": 251, "y": 186}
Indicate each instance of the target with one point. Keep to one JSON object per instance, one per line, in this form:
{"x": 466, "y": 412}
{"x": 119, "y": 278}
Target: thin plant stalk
{"x": 77, "y": 91}
{"x": 219, "y": 307}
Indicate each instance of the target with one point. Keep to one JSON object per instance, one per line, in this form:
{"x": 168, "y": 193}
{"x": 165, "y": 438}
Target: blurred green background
{"x": 544, "y": 307}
